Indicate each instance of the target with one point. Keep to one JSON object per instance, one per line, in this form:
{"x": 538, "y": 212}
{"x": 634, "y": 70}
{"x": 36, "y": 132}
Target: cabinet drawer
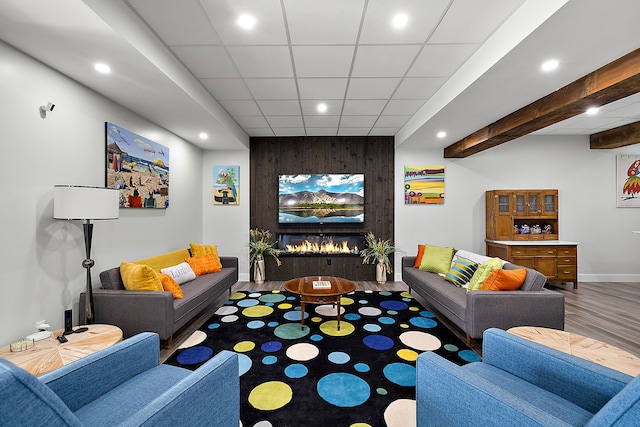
{"x": 567, "y": 251}
{"x": 533, "y": 251}
{"x": 566, "y": 272}
{"x": 566, "y": 261}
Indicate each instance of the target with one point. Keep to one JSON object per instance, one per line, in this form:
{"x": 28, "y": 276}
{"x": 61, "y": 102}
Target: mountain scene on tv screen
{"x": 321, "y": 205}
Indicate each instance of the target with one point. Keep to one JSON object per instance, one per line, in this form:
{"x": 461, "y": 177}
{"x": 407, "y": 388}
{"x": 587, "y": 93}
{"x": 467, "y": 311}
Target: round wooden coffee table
{"x": 319, "y": 290}
{"x": 49, "y": 354}
{"x": 583, "y": 347}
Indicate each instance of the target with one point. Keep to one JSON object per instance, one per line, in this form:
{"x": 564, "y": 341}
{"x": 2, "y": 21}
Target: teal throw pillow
{"x": 461, "y": 271}
{"x": 483, "y": 272}
{"x": 436, "y": 259}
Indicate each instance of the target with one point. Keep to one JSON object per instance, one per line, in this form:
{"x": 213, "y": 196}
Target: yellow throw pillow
{"x": 204, "y": 264}
{"x": 483, "y": 272}
{"x": 436, "y": 259}
{"x": 139, "y": 277}
{"x": 200, "y": 250}
{"x": 170, "y": 285}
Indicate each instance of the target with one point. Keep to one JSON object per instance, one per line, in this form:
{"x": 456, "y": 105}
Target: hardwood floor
{"x": 608, "y": 312}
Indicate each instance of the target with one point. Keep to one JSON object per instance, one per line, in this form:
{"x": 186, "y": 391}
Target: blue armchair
{"x": 522, "y": 383}
{"x": 123, "y": 385}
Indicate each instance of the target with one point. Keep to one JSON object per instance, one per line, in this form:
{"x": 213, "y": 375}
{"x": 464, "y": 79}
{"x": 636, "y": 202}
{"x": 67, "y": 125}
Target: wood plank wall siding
{"x": 372, "y": 156}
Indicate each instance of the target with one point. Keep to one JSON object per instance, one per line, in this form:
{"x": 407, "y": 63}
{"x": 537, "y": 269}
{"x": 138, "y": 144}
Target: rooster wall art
{"x": 632, "y": 183}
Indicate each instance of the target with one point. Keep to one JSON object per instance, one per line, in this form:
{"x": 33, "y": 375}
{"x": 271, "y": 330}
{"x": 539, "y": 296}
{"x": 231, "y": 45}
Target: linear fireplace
{"x": 320, "y": 244}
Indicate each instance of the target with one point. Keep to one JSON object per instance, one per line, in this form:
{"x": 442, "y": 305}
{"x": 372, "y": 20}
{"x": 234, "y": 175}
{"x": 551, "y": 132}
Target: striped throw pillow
{"x": 461, "y": 271}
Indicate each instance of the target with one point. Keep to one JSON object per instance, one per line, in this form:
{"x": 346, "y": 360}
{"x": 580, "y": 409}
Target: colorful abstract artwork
{"x": 628, "y": 181}
{"x": 226, "y": 185}
{"x": 423, "y": 184}
{"x": 138, "y": 167}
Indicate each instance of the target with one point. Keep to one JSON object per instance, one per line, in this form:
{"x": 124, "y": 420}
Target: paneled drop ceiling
{"x": 456, "y": 66}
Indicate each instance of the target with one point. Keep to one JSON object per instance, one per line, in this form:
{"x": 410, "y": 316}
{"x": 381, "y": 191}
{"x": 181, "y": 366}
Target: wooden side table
{"x": 49, "y": 354}
{"x": 582, "y": 347}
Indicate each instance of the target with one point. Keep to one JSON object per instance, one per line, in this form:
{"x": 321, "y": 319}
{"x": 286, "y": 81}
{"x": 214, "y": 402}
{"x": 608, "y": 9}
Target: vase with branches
{"x": 261, "y": 243}
{"x": 378, "y": 251}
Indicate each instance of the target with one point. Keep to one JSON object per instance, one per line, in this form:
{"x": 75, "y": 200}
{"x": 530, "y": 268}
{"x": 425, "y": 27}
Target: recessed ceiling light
{"x": 593, "y": 110}
{"x": 322, "y": 108}
{"x": 102, "y": 68}
{"x": 246, "y": 21}
{"x": 203, "y": 135}
{"x": 441, "y": 134}
{"x": 400, "y": 20}
{"x": 550, "y": 65}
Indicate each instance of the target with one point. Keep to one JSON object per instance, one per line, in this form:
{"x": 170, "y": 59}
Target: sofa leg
{"x": 169, "y": 341}
{"x": 468, "y": 341}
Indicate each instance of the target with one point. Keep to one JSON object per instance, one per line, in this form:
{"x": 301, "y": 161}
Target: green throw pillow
{"x": 483, "y": 272}
{"x": 436, "y": 259}
{"x": 461, "y": 271}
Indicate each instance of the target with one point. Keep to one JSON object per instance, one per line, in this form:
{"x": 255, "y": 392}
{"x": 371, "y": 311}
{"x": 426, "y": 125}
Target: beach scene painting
{"x": 424, "y": 184}
{"x": 138, "y": 168}
{"x": 226, "y": 185}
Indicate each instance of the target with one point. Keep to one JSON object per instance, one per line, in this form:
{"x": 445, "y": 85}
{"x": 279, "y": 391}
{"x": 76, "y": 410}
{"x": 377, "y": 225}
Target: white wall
{"x": 41, "y": 257}
{"x": 585, "y": 179}
{"x": 227, "y": 226}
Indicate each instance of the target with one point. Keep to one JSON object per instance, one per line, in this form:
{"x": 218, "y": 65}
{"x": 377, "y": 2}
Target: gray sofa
{"x": 476, "y": 311}
{"x": 153, "y": 311}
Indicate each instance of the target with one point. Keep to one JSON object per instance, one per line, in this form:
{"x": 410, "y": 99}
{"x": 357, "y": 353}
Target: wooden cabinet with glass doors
{"x": 522, "y": 214}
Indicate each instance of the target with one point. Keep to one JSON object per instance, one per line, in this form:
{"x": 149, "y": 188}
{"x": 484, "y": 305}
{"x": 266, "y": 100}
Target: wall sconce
{"x": 45, "y": 108}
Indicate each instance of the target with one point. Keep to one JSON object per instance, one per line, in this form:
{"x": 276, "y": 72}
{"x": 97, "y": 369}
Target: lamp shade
{"x": 76, "y": 202}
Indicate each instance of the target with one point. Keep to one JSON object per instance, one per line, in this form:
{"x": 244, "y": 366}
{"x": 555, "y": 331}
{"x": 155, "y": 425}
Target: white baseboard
{"x": 608, "y": 278}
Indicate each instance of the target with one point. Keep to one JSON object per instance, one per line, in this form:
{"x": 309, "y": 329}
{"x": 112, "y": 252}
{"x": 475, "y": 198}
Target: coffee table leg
{"x": 302, "y": 312}
{"x": 339, "y": 312}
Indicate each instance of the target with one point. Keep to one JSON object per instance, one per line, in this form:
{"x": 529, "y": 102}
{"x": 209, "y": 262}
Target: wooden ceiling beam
{"x": 616, "y": 137}
{"x": 614, "y": 81}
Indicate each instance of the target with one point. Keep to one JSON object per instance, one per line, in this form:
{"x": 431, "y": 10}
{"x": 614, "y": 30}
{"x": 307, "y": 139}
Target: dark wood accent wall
{"x": 272, "y": 156}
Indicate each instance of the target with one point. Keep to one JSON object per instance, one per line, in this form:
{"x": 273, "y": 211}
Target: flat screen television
{"x": 321, "y": 198}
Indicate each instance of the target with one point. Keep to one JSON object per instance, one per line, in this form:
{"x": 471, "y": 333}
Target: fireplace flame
{"x": 329, "y": 247}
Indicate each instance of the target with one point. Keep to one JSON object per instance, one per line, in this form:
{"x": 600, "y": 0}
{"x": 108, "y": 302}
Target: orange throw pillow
{"x": 505, "y": 280}
{"x": 419, "y": 256}
{"x": 169, "y": 284}
{"x": 205, "y": 264}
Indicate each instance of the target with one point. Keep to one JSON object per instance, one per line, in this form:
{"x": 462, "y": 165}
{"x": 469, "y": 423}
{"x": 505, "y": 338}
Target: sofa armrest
{"x": 577, "y": 380}
{"x": 133, "y": 311}
{"x": 229, "y": 262}
{"x": 85, "y": 379}
{"x": 408, "y": 261}
{"x": 506, "y": 309}
{"x": 448, "y": 395}
{"x": 210, "y": 395}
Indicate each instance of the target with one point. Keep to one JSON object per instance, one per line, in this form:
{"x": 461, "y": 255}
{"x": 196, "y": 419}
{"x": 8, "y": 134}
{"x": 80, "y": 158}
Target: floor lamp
{"x": 86, "y": 204}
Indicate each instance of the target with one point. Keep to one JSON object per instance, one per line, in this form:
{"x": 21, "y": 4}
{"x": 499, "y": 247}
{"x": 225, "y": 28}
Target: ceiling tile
{"x": 163, "y": 19}
{"x": 321, "y": 122}
{"x": 263, "y": 61}
{"x": 309, "y": 107}
{"x": 285, "y": 121}
{"x": 398, "y": 107}
{"x": 323, "y": 61}
{"x": 357, "y": 121}
{"x": 206, "y": 61}
{"x": 472, "y": 21}
{"x": 418, "y": 87}
{"x": 252, "y": 121}
{"x": 384, "y": 61}
{"x": 323, "y": 22}
{"x": 392, "y": 121}
{"x": 356, "y": 107}
{"x": 372, "y": 88}
{"x": 422, "y": 18}
{"x": 343, "y": 131}
{"x": 322, "y": 131}
{"x": 322, "y": 88}
{"x": 280, "y": 108}
{"x": 273, "y": 88}
{"x": 241, "y": 108}
{"x": 269, "y": 27}
{"x": 383, "y": 131}
{"x": 289, "y": 131}
{"x": 224, "y": 89}
{"x": 259, "y": 132}
{"x": 441, "y": 60}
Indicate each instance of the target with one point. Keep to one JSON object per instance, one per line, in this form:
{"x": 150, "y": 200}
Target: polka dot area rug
{"x": 358, "y": 376}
